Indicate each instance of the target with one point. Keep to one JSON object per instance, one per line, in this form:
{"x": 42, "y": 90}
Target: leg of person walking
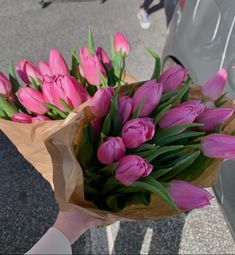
{"x": 143, "y": 14}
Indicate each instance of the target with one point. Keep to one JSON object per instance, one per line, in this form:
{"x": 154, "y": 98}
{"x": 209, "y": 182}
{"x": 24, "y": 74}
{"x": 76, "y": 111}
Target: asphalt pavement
{"x": 27, "y": 204}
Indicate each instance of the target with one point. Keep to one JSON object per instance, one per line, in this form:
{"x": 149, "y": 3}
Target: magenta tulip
{"x": 131, "y": 168}
{"x": 137, "y": 131}
{"x": 188, "y": 196}
{"x": 32, "y": 100}
{"x": 172, "y": 78}
{"x": 22, "y": 117}
{"x": 5, "y": 86}
{"x": 125, "y": 108}
{"x": 199, "y": 106}
{"x": 213, "y": 88}
{"x": 66, "y": 88}
{"x": 111, "y": 150}
{"x": 44, "y": 68}
{"x": 121, "y": 42}
{"x": 28, "y": 71}
{"x": 213, "y": 118}
{"x": 40, "y": 118}
{"x": 103, "y": 57}
{"x": 149, "y": 94}
{"x": 101, "y": 101}
{"x": 57, "y": 63}
{"x": 178, "y": 115}
{"x": 218, "y": 146}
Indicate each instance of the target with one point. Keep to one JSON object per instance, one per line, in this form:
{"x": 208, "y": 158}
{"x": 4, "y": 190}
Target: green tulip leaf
{"x": 12, "y": 77}
{"x": 74, "y": 64}
{"x": 221, "y": 100}
{"x": 157, "y": 67}
{"x": 143, "y": 147}
{"x": 112, "y": 49}
{"x": 136, "y": 114}
{"x": 108, "y": 170}
{"x": 8, "y": 108}
{"x": 90, "y": 42}
{"x": 117, "y": 65}
{"x": 158, "y": 116}
{"x": 65, "y": 105}
{"x": 56, "y": 110}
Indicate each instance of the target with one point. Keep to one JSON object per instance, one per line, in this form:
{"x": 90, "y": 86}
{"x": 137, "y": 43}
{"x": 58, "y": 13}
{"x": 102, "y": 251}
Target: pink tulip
{"x": 172, "y": 78}
{"x": 125, "y": 108}
{"x": 5, "y": 86}
{"x": 111, "y": 150}
{"x": 83, "y": 53}
{"x": 213, "y": 118}
{"x": 28, "y": 71}
{"x": 44, "y": 68}
{"x": 40, "y": 118}
{"x": 92, "y": 68}
{"x": 32, "y": 100}
{"x": 178, "y": 115}
{"x": 121, "y": 42}
{"x": 199, "y": 106}
{"x": 218, "y": 146}
{"x": 150, "y": 93}
{"x": 213, "y": 88}
{"x": 131, "y": 168}
{"x": 22, "y": 117}
{"x": 103, "y": 57}
{"x": 137, "y": 131}
{"x": 57, "y": 63}
{"x": 66, "y": 88}
{"x": 188, "y": 196}
{"x": 101, "y": 101}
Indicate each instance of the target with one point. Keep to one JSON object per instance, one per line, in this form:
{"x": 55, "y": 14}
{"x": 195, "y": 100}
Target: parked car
{"x": 201, "y": 37}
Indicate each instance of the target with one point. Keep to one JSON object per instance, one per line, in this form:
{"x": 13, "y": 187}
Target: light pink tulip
{"x": 213, "y": 118}
{"x": 28, "y": 71}
{"x": 125, "y": 108}
{"x": 57, "y": 63}
{"x": 22, "y": 117}
{"x": 32, "y": 100}
{"x": 137, "y": 131}
{"x": 218, "y": 146}
{"x": 40, "y": 118}
{"x": 111, "y": 150}
{"x": 213, "y": 88}
{"x": 172, "y": 78}
{"x": 5, "y": 86}
{"x": 150, "y": 93}
{"x": 131, "y": 168}
{"x": 121, "y": 42}
{"x": 101, "y": 101}
{"x": 103, "y": 57}
{"x": 188, "y": 196}
{"x": 66, "y": 88}
{"x": 44, "y": 68}
{"x": 178, "y": 115}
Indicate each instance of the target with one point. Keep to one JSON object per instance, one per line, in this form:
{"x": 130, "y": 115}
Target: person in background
{"x": 147, "y": 9}
{"x": 68, "y": 227}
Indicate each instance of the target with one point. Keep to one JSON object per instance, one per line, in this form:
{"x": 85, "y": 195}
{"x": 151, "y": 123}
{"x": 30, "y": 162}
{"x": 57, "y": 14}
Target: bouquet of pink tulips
{"x": 139, "y": 151}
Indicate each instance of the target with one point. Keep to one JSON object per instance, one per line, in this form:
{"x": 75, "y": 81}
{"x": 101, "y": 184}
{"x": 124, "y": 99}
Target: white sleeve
{"x": 53, "y": 242}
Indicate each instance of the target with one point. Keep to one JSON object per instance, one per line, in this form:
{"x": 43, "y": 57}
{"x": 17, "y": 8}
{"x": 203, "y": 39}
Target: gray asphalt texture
{"x": 27, "y": 204}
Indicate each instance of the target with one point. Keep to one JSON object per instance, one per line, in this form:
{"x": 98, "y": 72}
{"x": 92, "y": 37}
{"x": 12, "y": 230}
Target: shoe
{"x": 144, "y": 20}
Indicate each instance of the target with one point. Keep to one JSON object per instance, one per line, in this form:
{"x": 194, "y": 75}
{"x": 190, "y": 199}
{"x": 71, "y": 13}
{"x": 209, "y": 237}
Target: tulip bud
{"x": 172, "y": 78}
{"x": 44, "y": 68}
{"x": 22, "y": 117}
{"x": 131, "y": 168}
{"x": 213, "y": 88}
{"x": 101, "y": 101}
{"x": 125, "y": 108}
{"x": 121, "y": 42}
{"x": 66, "y": 88}
{"x": 5, "y": 86}
{"x": 218, "y": 146}
{"x": 28, "y": 71}
{"x": 40, "y": 118}
{"x": 103, "y": 57}
{"x": 199, "y": 106}
{"x": 149, "y": 94}
{"x": 213, "y": 118}
{"x": 32, "y": 100}
{"x": 188, "y": 196}
{"x": 178, "y": 115}
{"x": 137, "y": 131}
{"x": 111, "y": 150}
{"x": 57, "y": 63}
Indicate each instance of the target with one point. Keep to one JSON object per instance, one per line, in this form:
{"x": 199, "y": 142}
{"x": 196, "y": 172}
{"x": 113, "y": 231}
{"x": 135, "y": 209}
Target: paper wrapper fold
{"x": 48, "y": 146}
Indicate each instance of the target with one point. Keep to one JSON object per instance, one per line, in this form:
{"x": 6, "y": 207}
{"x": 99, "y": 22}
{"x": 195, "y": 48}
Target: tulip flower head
{"x": 5, "y": 86}
{"x": 22, "y": 117}
{"x": 125, "y": 108}
{"x": 121, "y": 42}
{"x": 188, "y": 196}
{"x": 57, "y": 63}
